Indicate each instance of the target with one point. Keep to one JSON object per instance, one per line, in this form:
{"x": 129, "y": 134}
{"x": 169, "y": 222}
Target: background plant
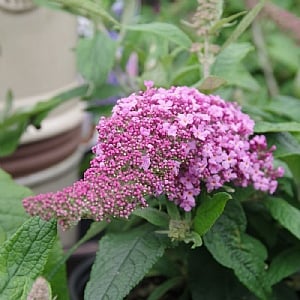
{"x": 250, "y": 242}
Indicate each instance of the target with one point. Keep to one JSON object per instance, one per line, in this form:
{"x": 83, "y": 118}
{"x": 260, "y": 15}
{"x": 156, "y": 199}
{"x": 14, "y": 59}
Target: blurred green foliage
{"x": 252, "y": 61}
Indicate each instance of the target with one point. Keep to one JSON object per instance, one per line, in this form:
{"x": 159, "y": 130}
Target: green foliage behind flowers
{"x": 232, "y": 241}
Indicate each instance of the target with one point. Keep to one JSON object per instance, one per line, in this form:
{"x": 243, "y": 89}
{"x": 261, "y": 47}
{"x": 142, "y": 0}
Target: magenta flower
{"x": 163, "y": 141}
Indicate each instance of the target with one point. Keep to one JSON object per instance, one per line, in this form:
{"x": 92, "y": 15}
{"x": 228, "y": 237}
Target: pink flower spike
{"x": 162, "y": 141}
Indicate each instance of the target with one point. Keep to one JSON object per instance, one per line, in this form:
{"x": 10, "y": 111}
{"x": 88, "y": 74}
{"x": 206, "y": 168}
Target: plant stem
{"x": 206, "y": 58}
{"x": 188, "y": 216}
{"x": 264, "y": 60}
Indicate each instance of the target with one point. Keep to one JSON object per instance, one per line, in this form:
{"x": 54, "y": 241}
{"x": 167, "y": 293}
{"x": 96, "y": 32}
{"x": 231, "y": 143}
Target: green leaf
{"x": 48, "y": 3}
{"x": 293, "y": 162}
{"x": 227, "y": 66}
{"x": 288, "y": 150}
{"x": 211, "y": 83}
{"x": 243, "y": 25}
{"x": 233, "y": 248}
{"x": 209, "y": 211}
{"x": 173, "y": 211}
{"x": 283, "y": 51}
{"x": 158, "y": 74}
{"x": 153, "y": 216}
{"x": 186, "y": 75}
{"x": 129, "y": 11}
{"x": 169, "y": 32}
{"x": 12, "y": 213}
{"x": 2, "y": 235}
{"x": 285, "y": 106}
{"x": 242, "y": 78}
{"x": 4, "y": 176}
{"x": 122, "y": 261}
{"x": 23, "y": 256}
{"x": 95, "y": 57}
{"x": 286, "y": 144}
{"x": 161, "y": 290}
{"x": 287, "y": 215}
{"x": 225, "y": 21}
{"x": 261, "y": 126}
{"x": 88, "y": 8}
{"x": 8, "y": 105}
{"x": 284, "y": 265}
{"x": 128, "y": 15}
{"x": 44, "y": 105}
{"x": 9, "y": 137}
{"x": 285, "y": 185}
{"x": 227, "y": 59}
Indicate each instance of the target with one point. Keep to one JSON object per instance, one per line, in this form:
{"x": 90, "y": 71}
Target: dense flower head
{"x": 163, "y": 141}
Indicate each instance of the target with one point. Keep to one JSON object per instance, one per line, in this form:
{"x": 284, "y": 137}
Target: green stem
{"x": 206, "y": 58}
{"x": 173, "y": 210}
{"x": 264, "y": 60}
{"x": 188, "y": 216}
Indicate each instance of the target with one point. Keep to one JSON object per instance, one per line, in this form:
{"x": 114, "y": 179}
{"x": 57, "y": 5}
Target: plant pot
{"x": 36, "y": 49}
{"x": 41, "y": 154}
{"x": 37, "y": 63}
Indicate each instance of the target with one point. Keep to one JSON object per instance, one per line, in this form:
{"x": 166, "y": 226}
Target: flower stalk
{"x": 208, "y": 13}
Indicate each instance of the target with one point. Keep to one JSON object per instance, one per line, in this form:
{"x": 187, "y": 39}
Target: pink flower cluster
{"x": 163, "y": 141}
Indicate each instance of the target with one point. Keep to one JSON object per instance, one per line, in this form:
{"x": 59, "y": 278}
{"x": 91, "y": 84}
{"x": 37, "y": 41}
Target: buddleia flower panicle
{"x": 203, "y": 23}
{"x": 208, "y": 12}
{"x": 163, "y": 141}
